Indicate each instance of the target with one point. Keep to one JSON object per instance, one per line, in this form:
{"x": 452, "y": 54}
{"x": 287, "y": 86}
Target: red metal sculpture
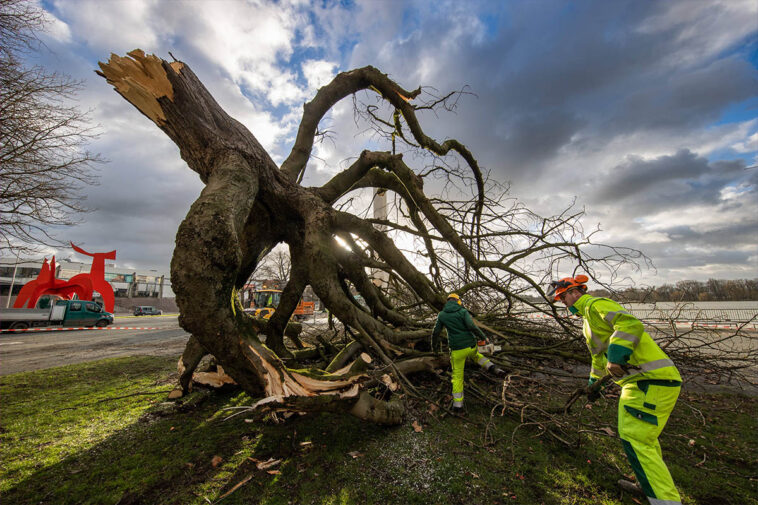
{"x": 82, "y": 285}
{"x": 47, "y": 284}
{"x": 97, "y": 276}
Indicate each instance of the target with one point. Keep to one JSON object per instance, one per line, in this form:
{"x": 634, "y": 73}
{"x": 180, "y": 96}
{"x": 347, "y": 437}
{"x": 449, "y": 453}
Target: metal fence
{"x": 697, "y": 314}
{"x": 705, "y": 314}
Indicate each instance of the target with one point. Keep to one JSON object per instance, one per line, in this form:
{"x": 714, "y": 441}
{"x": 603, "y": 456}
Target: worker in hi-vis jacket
{"x": 649, "y": 381}
{"x": 462, "y": 336}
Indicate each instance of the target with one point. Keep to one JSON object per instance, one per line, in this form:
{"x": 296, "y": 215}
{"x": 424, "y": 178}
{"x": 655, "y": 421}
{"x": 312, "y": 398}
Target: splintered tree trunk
{"x": 249, "y": 205}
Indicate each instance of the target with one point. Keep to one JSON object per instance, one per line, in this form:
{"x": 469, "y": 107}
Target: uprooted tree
{"x": 486, "y": 246}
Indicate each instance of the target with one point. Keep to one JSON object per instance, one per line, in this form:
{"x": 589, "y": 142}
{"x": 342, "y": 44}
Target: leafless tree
{"x": 275, "y": 266}
{"x": 44, "y": 162}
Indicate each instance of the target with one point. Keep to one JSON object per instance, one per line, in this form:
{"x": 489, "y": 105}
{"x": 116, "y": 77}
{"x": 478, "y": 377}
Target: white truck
{"x": 69, "y": 313}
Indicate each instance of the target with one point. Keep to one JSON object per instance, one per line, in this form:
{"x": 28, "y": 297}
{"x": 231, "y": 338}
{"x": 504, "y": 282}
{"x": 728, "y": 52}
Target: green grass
{"x": 75, "y": 435}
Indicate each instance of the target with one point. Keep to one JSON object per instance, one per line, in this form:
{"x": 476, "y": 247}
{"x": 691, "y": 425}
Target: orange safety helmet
{"x": 557, "y": 288}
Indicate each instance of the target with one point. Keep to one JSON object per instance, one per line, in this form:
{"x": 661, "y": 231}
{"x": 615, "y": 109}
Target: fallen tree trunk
{"x": 249, "y": 205}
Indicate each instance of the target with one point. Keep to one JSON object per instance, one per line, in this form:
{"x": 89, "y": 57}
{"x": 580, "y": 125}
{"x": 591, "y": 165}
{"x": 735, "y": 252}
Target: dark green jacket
{"x": 461, "y": 330}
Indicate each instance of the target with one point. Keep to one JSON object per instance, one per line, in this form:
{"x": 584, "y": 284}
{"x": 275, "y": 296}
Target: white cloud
{"x": 57, "y": 29}
{"x": 706, "y": 28}
{"x": 249, "y": 41}
{"x": 748, "y": 145}
{"x": 704, "y": 218}
{"x": 318, "y": 73}
{"x": 653, "y": 238}
{"x": 263, "y": 125}
{"x": 119, "y": 26}
{"x": 584, "y": 154}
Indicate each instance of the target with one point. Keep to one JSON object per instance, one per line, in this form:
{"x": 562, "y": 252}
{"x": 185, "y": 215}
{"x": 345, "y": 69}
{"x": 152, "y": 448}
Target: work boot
{"x": 459, "y": 411}
{"x": 630, "y": 487}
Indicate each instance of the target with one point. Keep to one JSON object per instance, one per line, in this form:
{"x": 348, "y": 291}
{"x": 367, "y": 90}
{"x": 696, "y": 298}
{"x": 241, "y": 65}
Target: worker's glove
{"x": 593, "y": 395}
{"x": 616, "y": 370}
{"x": 436, "y": 344}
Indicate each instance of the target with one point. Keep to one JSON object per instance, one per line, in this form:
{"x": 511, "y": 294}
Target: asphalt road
{"x": 26, "y": 351}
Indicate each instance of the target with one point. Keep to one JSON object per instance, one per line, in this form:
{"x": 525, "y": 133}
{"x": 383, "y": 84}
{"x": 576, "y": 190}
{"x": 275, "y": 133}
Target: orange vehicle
{"x": 265, "y": 302}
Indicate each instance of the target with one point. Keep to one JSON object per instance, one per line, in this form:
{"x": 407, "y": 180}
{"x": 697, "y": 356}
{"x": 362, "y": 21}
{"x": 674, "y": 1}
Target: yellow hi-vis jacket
{"x": 614, "y": 335}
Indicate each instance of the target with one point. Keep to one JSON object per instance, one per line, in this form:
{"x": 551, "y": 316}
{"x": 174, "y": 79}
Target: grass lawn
{"x": 102, "y": 433}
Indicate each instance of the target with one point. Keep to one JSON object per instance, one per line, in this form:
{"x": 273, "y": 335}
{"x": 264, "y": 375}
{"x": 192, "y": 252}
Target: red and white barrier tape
{"x": 18, "y": 330}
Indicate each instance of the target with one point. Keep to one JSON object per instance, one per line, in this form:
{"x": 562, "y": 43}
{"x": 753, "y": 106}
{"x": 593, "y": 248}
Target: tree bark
{"x": 249, "y": 205}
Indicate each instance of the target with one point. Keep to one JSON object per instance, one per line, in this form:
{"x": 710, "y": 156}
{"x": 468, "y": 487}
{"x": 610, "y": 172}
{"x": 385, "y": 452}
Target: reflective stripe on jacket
{"x": 613, "y": 334}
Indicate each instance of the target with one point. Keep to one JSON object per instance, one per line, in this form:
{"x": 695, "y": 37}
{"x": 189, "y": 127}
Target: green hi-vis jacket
{"x": 614, "y": 335}
{"x": 461, "y": 329}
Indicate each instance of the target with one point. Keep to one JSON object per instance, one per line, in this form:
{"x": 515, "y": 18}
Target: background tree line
{"x": 716, "y": 290}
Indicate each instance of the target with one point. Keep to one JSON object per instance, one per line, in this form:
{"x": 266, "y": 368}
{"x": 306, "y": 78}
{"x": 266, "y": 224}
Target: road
{"x": 26, "y": 351}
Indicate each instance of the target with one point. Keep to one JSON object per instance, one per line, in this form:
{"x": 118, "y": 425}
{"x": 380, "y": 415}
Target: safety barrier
{"x": 21, "y": 330}
{"x": 697, "y": 314}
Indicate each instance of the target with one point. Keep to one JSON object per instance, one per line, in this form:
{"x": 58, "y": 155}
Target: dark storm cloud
{"x": 728, "y": 236}
{"x": 558, "y": 75}
{"x": 692, "y": 251}
{"x": 140, "y": 204}
{"x": 572, "y": 98}
{"x": 669, "y": 180}
{"x": 684, "y": 254}
{"x": 538, "y": 136}
{"x": 686, "y": 97}
{"x": 680, "y": 257}
{"x": 725, "y": 244}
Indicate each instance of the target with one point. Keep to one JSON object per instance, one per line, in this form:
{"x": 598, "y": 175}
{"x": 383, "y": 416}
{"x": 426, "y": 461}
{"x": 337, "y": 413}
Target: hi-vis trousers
{"x": 458, "y": 362}
{"x": 644, "y": 408}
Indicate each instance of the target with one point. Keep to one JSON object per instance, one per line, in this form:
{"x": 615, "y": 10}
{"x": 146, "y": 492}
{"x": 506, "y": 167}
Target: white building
{"x": 126, "y": 282}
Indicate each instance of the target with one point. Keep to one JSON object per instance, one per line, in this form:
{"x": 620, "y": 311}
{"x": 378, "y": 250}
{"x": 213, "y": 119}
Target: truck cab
{"x": 82, "y": 313}
{"x": 61, "y": 312}
{"x": 265, "y": 301}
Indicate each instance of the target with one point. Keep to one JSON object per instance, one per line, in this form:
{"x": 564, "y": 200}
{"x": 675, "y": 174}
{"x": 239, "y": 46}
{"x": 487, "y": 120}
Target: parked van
{"x": 147, "y": 310}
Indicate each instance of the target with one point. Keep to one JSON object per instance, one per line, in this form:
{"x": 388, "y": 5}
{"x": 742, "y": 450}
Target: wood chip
{"x": 236, "y": 486}
{"x": 212, "y": 379}
{"x": 216, "y": 461}
{"x": 392, "y": 385}
{"x": 417, "y": 427}
{"x": 176, "y": 393}
{"x": 265, "y": 465}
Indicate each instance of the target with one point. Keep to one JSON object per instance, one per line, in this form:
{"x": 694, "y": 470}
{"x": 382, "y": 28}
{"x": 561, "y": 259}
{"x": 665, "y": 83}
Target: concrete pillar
{"x": 132, "y": 286}
{"x": 380, "y": 277}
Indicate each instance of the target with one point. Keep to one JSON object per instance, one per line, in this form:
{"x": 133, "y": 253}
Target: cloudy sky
{"x": 644, "y": 113}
